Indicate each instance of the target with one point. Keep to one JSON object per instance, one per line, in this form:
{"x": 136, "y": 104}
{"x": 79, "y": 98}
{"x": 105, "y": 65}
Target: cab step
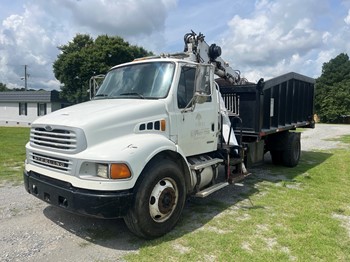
{"x": 206, "y": 163}
{"x": 207, "y": 191}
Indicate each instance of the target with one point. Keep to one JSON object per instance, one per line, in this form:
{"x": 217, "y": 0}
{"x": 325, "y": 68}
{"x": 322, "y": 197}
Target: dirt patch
{"x": 345, "y": 221}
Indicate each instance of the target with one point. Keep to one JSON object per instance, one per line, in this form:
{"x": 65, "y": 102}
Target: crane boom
{"x": 199, "y": 51}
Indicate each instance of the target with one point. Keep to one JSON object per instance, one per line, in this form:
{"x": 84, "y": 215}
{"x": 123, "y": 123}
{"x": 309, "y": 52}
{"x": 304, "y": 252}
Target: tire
{"x": 291, "y": 155}
{"x": 158, "y": 200}
{"x": 276, "y": 157}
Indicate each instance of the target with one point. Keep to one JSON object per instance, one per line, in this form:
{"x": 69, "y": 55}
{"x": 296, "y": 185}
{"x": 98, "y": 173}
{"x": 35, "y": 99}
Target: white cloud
{"x": 347, "y": 18}
{"x": 280, "y": 36}
{"x": 123, "y": 17}
{"x": 262, "y": 38}
{"x": 31, "y": 38}
{"x": 326, "y": 37}
{"x": 26, "y": 41}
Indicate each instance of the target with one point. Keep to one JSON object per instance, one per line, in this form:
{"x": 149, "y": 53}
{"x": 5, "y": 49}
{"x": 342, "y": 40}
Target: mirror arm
{"x": 193, "y": 102}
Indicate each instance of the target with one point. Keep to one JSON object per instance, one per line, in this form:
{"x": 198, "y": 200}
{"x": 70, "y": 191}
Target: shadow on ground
{"x": 197, "y": 212}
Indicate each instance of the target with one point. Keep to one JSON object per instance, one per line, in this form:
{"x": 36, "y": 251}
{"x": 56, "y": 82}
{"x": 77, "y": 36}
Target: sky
{"x": 261, "y": 38}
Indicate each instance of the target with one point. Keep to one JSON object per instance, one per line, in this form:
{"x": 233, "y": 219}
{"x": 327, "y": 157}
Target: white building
{"x": 21, "y": 108}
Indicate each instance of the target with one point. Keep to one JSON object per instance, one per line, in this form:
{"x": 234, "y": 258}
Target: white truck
{"x": 156, "y": 132}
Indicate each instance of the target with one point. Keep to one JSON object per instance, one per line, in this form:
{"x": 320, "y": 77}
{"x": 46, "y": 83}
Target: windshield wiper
{"x": 101, "y": 95}
{"x": 133, "y": 94}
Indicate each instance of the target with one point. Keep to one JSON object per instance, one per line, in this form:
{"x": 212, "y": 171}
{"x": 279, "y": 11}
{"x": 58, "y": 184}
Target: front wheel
{"x": 158, "y": 200}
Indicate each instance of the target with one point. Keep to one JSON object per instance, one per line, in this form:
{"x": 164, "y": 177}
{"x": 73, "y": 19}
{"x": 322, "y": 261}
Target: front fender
{"x": 135, "y": 150}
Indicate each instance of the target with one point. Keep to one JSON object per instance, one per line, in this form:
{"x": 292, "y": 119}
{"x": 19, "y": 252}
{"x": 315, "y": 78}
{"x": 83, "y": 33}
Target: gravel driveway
{"x": 320, "y": 138}
{"x": 31, "y": 230}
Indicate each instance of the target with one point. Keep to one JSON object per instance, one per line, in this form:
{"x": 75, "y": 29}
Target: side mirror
{"x": 94, "y": 84}
{"x": 202, "y": 87}
{"x": 200, "y": 98}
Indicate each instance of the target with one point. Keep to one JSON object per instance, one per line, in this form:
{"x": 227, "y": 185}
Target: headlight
{"x": 113, "y": 171}
{"x": 102, "y": 170}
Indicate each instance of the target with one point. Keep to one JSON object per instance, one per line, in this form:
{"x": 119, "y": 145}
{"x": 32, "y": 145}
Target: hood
{"x": 100, "y": 119}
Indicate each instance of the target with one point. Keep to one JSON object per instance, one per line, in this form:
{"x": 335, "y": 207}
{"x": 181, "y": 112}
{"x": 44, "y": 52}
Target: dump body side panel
{"x": 279, "y": 104}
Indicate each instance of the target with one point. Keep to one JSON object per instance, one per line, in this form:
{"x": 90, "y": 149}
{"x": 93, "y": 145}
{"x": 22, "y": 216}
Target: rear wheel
{"x": 276, "y": 157}
{"x": 158, "y": 201}
{"x": 291, "y": 154}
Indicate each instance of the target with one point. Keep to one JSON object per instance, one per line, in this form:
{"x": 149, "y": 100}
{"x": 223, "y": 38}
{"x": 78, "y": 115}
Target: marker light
{"x": 163, "y": 125}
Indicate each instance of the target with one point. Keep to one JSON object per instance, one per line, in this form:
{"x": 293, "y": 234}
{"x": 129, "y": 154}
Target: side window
{"x": 185, "y": 90}
{"x": 41, "y": 109}
{"x": 23, "y": 109}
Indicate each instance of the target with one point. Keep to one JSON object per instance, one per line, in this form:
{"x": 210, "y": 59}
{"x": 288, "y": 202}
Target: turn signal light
{"x": 119, "y": 171}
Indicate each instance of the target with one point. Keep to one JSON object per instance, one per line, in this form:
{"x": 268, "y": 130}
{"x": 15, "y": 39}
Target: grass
{"x": 281, "y": 214}
{"x": 12, "y": 153}
{"x": 344, "y": 139}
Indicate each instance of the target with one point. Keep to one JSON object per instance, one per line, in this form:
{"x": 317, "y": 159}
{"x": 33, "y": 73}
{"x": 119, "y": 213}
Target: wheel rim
{"x": 163, "y": 200}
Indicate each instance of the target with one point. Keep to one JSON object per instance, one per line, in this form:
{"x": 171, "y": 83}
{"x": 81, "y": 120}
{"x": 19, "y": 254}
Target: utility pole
{"x": 25, "y": 77}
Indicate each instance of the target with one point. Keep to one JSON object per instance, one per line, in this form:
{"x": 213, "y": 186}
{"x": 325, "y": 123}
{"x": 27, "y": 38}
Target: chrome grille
{"x": 57, "y": 138}
{"x": 51, "y": 162}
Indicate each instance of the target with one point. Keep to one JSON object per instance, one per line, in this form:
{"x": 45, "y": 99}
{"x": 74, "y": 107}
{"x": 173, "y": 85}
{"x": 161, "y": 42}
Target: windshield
{"x": 144, "y": 80}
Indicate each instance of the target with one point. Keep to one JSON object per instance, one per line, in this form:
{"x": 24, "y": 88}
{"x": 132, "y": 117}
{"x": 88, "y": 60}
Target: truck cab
{"x": 96, "y": 157}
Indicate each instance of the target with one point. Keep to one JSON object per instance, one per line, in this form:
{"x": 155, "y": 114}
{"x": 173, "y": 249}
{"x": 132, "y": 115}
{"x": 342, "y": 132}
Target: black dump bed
{"x": 281, "y": 103}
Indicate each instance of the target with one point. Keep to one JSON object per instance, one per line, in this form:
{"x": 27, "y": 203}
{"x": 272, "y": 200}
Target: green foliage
{"x": 3, "y": 87}
{"x": 85, "y": 57}
{"x": 333, "y": 90}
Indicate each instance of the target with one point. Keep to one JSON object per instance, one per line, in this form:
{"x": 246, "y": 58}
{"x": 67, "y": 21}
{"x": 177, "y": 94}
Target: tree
{"x": 3, "y": 87}
{"x": 85, "y": 57}
{"x": 333, "y": 90}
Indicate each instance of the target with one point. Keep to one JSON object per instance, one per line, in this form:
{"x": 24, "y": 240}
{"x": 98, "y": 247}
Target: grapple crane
{"x": 199, "y": 51}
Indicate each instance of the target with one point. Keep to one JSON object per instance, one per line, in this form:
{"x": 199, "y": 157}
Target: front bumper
{"x": 103, "y": 204}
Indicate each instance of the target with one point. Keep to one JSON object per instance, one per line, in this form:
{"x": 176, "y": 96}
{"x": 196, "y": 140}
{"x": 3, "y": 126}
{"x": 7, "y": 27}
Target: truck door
{"x": 196, "y": 120}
